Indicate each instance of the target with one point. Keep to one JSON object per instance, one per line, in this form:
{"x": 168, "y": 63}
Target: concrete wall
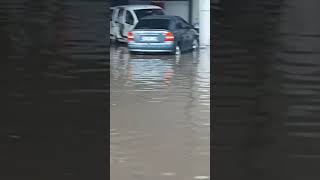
{"x": 178, "y": 8}
{"x": 118, "y": 2}
{"x": 195, "y": 11}
{"x": 204, "y": 22}
{"x": 139, "y": 1}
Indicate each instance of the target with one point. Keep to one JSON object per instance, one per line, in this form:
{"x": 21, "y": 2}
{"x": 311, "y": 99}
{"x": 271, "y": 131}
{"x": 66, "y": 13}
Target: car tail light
{"x": 169, "y": 37}
{"x": 130, "y": 36}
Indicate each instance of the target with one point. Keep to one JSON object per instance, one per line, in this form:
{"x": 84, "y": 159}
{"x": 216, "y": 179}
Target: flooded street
{"x": 160, "y": 116}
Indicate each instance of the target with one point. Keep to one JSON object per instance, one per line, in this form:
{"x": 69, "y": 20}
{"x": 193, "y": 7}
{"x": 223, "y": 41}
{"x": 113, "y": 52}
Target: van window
{"x": 120, "y": 15}
{"x": 129, "y": 18}
{"x": 153, "y": 24}
{"x": 148, "y": 12}
{"x": 184, "y": 23}
{"x": 115, "y": 14}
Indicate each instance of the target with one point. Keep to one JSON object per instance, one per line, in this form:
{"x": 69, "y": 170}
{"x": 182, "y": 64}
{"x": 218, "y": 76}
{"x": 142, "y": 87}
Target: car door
{"x": 114, "y": 26}
{"x": 110, "y": 15}
{"x": 120, "y": 22}
{"x": 129, "y": 23}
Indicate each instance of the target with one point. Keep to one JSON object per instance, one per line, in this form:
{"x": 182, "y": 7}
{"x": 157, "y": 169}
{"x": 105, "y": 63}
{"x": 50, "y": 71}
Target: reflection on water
{"x": 160, "y": 116}
{"x": 53, "y": 89}
{"x": 151, "y": 71}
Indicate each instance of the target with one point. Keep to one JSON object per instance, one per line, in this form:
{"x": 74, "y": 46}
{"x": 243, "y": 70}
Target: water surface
{"x": 160, "y": 116}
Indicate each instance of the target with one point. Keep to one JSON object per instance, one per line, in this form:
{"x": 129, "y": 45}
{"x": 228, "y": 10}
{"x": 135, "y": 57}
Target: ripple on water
{"x": 162, "y": 113}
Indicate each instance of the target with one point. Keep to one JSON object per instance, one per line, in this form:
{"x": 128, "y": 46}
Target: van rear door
{"x": 114, "y": 24}
{"x": 129, "y": 23}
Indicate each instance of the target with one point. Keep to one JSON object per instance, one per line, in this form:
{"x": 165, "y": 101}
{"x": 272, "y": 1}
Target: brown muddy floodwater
{"x": 160, "y": 116}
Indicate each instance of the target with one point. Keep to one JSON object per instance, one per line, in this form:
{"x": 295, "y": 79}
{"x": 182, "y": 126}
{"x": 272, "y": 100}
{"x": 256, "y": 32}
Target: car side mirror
{"x": 179, "y": 26}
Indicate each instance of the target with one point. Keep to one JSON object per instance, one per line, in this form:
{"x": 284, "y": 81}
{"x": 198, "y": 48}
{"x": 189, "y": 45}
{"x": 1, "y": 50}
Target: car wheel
{"x": 195, "y": 45}
{"x": 177, "y": 50}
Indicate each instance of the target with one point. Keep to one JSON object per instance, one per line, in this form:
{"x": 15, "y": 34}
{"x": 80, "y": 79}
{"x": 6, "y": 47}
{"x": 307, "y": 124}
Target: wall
{"x": 195, "y": 11}
{"x": 139, "y": 1}
{"x": 178, "y": 8}
{"x": 118, "y": 2}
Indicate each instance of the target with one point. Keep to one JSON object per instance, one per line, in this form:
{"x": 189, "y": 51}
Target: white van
{"x": 125, "y": 18}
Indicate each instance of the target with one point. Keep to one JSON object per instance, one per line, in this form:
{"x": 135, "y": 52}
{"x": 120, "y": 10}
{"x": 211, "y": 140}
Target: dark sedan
{"x": 163, "y": 34}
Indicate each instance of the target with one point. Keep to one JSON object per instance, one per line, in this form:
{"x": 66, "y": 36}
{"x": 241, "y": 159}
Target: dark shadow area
{"x": 266, "y": 90}
{"x": 54, "y": 90}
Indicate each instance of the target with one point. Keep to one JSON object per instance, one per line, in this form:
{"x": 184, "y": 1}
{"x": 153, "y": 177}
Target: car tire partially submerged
{"x": 195, "y": 44}
{"x": 177, "y": 50}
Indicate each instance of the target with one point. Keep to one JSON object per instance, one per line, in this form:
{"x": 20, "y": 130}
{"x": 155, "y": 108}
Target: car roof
{"x": 160, "y": 17}
{"x": 137, "y": 7}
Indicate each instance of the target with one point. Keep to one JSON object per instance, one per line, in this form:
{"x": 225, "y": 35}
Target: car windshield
{"x": 148, "y": 12}
{"x": 153, "y": 24}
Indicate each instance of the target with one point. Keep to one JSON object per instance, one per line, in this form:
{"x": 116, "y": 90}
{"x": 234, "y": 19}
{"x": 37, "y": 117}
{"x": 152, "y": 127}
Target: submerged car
{"x": 162, "y": 33}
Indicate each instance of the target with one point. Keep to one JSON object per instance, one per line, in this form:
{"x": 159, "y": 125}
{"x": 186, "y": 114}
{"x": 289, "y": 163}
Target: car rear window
{"x": 153, "y": 24}
{"x": 148, "y": 12}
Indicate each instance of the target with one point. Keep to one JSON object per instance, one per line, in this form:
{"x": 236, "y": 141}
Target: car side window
{"x": 185, "y": 25}
{"x": 120, "y": 15}
{"x": 129, "y": 18}
{"x": 172, "y": 25}
{"x": 178, "y": 24}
